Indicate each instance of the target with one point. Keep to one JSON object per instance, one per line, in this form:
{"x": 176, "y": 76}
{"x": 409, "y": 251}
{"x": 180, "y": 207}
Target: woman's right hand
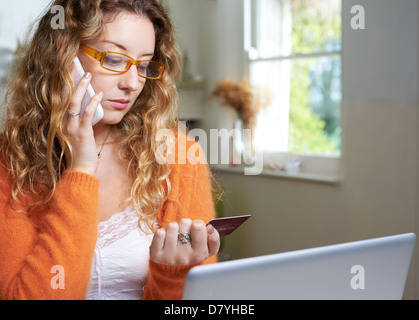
{"x": 79, "y": 130}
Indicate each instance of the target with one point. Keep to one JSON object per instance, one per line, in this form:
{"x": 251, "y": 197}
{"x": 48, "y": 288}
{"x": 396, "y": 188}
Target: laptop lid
{"x": 368, "y": 269}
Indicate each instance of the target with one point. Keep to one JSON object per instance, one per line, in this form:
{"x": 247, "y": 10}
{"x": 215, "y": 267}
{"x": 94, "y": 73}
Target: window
{"x": 294, "y": 50}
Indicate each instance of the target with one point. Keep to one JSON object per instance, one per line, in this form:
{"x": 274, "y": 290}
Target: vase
{"x": 248, "y": 151}
{"x": 237, "y": 146}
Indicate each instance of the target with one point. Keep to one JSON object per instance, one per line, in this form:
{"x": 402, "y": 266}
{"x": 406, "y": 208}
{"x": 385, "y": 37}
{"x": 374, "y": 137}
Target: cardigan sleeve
{"x": 191, "y": 197}
{"x": 50, "y": 259}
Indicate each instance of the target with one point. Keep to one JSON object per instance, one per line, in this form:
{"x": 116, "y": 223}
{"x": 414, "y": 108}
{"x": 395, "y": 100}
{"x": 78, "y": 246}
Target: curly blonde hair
{"x": 33, "y": 142}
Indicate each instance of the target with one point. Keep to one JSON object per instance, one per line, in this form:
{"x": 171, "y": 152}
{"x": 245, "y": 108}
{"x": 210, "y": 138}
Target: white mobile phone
{"x": 89, "y": 94}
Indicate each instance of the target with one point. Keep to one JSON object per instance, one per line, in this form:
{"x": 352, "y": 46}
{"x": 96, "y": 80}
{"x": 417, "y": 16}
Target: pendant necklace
{"x": 103, "y": 144}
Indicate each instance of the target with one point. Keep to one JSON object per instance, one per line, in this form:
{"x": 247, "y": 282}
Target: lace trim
{"x": 117, "y": 226}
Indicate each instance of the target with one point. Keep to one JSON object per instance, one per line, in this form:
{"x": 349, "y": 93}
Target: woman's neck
{"x": 101, "y": 133}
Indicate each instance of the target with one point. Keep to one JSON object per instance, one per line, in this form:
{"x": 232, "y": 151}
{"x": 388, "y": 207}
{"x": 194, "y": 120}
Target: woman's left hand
{"x": 167, "y": 249}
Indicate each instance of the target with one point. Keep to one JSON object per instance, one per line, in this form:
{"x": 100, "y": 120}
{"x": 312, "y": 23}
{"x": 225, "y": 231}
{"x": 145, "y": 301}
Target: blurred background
{"x": 333, "y": 108}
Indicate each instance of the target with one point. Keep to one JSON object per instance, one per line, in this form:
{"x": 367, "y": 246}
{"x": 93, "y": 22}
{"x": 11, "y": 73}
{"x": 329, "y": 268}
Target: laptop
{"x": 371, "y": 269}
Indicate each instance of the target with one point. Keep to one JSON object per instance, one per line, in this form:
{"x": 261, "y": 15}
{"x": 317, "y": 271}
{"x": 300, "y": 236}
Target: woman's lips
{"x": 119, "y": 104}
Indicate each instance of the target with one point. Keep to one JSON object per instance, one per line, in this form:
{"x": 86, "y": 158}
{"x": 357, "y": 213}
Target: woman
{"x": 87, "y": 211}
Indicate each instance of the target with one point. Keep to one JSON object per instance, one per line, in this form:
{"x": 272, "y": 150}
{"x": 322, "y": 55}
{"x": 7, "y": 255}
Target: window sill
{"x": 313, "y": 169}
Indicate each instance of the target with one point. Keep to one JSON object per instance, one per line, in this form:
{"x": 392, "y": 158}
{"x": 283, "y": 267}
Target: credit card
{"x": 227, "y": 225}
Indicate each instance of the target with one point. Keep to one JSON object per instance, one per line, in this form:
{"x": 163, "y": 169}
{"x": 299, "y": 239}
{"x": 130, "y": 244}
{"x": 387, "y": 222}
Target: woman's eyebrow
{"x": 117, "y": 44}
{"x": 123, "y": 48}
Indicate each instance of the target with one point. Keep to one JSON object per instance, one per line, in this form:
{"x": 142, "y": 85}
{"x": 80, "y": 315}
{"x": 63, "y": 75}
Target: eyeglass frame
{"x": 100, "y": 56}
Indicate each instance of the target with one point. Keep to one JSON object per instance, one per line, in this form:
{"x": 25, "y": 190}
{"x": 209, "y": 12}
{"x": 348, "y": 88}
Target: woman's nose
{"x": 130, "y": 80}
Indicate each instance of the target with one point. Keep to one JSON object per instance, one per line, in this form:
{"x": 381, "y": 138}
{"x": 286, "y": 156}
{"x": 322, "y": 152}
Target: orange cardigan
{"x": 65, "y": 236}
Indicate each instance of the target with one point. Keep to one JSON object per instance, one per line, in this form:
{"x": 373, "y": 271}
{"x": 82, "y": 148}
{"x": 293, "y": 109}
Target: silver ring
{"x": 184, "y": 237}
{"x": 72, "y": 113}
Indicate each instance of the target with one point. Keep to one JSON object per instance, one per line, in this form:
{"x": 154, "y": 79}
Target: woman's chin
{"x": 110, "y": 120}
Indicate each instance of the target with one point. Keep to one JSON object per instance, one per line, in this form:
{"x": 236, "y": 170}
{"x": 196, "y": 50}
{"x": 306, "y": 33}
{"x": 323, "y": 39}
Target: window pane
{"x": 316, "y": 26}
{"x": 272, "y": 29}
{"x": 290, "y": 27}
{"x": 304, "y": 113}
{"x": 294, "y": 50}
{"x": 272, "y": 129}
{"x": 315, "y": 99}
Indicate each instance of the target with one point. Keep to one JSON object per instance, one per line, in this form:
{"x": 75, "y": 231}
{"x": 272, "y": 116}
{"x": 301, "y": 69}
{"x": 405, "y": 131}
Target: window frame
{"x": 313, "y": 167}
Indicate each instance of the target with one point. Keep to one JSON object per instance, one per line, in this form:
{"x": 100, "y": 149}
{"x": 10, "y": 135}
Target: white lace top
{"x": 120, "y": 263}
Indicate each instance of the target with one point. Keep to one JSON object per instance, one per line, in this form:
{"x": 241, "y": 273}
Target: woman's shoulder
{"x": 4, "y": 172}
{"x": 180, "y": 149}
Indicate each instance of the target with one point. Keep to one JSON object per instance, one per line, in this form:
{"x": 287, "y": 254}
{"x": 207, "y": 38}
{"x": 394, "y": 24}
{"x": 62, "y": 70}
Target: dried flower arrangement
{"x": 242, "y": 97}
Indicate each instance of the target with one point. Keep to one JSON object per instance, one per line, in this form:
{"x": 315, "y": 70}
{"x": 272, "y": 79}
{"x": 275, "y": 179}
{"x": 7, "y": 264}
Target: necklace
{"x": 103, "y": 144}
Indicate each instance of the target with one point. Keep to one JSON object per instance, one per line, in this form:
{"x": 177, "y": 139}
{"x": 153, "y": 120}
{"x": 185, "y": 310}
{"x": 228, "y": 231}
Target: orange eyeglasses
{"x": 120, "y": 63}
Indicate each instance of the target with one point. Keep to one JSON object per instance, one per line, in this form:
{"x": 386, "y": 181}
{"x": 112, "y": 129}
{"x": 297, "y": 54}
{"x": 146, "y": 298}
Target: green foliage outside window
{"x": 315, "y": 96}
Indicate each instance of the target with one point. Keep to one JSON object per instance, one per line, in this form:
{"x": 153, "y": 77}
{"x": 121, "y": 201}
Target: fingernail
{"x": 87, "y": 75}
{"x": 210, "y": 229}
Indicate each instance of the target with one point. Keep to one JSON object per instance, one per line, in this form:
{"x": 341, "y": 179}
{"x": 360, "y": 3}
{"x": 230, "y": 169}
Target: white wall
{"x": 16, "y": 21}
{"x": 16, "y": 17}
{"x": 378, "y": 193}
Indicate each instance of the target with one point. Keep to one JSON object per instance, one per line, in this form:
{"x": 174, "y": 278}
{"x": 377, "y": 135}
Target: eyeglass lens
{"x": 116, "y": 62}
